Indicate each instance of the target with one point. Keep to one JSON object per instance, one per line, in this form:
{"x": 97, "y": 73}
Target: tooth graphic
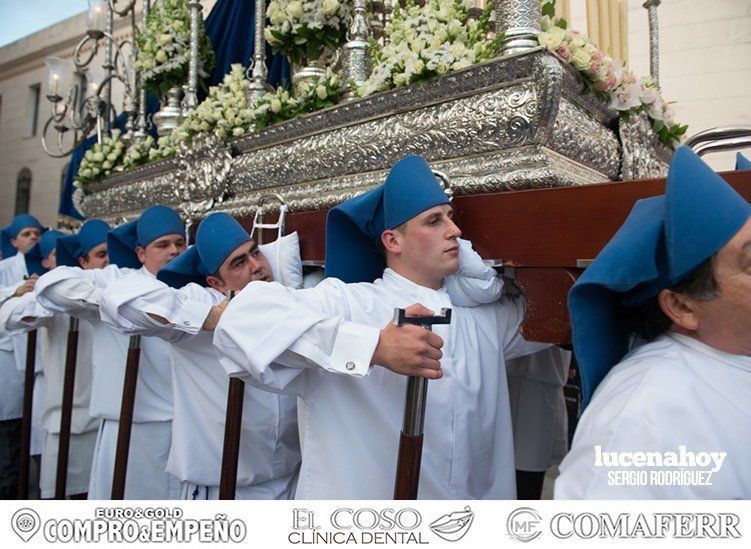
{"x": 453, "y": 526}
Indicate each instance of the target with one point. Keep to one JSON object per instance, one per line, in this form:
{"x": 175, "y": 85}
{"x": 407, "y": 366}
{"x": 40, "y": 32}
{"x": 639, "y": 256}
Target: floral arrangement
{"x": 427, "y": 41}
{"x": 138, "y": 153}
{"x": 225, "y": 111}
{"x": 302, "y": 30}
{"x": 609, "y": 78}
{"x": 164, "y": 47}
{"x": 311, "y": 96}
{"x": 101, "y": 159}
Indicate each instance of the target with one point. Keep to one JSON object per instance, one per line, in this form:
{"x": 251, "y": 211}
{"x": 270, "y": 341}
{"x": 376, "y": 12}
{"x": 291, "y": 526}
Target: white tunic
{"x": 318, "y": 343}
{"x": 78, "y": 292}
{"x": 269, "y": 451}
{"x": 538, "y": 408}
{"x": 12, "y": 271}
{"x": 13, "y": 357}
{"x": 674, "y": 395}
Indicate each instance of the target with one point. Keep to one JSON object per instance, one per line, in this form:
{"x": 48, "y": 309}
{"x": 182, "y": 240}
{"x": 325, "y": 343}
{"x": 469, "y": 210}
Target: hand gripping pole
{"x": 410, "y": 440}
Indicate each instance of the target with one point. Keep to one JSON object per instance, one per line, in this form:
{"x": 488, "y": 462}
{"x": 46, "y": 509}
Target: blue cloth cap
{"x": 633, "y": 259}
{"x": 68, "y": 250}
{"x": 354, "y": 228}
{"x": 121, "y": 246}
{"x": 19, "y": 223}
{"x": 742, "y": 163}
{"x": 155, "y": 222}
{"x": 92, "y": 234}
{"x": 662, "y": 241}
{"x": 702, "y": 212}
{"x": 218, "y": 235}
{"x": 40, "y": 251}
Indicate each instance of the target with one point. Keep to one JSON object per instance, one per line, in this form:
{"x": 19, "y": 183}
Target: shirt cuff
{"x": 191, "y": 316}
{"x": 353, "y": 349}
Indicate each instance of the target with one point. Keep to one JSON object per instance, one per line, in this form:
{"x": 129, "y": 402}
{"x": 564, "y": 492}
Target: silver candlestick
{"x": 191, "y": 96}
{"x": 654, "y": 39}
{"x": 519, "y": 21}
{"x": 357, "y": 62}
{"x": 258, "y": 85}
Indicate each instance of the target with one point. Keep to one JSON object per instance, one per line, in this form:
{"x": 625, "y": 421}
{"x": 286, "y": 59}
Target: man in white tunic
{"x": 20, "y": 236}
{"x": 335, "y": 346}
{"x": 25, "y": 313}
{"x": 143, "y": 246}
{"x": 669, "y": 419}
{"x": 224, "y": 258}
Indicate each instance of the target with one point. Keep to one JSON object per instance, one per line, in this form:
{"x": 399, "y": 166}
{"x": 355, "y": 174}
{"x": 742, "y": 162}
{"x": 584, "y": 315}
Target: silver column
{"x": 654, "y": 39}
{"x": 357, "y": 62}
{"x": 142, "y": 123}
{"x": 519, "y": 20}
{"x": 191, "y": 97}
{"x": 108, "y": 68}
{"x": 258, "y": 85}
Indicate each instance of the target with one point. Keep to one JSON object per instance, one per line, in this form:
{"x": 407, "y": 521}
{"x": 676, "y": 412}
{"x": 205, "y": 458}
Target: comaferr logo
{"x": 524, "y": 524}
{"x": 642, "y": 525}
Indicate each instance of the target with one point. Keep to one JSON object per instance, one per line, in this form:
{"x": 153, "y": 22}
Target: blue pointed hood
{"x": 19, "y": 223}
{"x": 217, "y": 237}
{"x": 40, "y": 251}
{"x": 354, "y": 228}
{"x": 661, "y": 242}
{"x": 742, "y": 163}
{"x": 155, "y": 222}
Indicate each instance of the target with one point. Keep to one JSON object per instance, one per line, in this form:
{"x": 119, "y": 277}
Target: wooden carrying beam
{"x": 28, "y": 398}
{"x": 66, "y": 413}
{"x": 548, "y": 235}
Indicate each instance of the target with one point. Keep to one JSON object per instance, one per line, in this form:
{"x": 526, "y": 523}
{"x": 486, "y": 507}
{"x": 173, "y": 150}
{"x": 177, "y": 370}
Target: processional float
{"x": 521, "y": 144}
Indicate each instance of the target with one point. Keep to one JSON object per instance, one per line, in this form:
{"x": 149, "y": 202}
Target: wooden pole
{"x": 232, "y": 431}
{"x": 409, "y": 460}
{"x": 28, "y": 396}
{"x": 126, "y": 417}
{"x": 66, "y": 413}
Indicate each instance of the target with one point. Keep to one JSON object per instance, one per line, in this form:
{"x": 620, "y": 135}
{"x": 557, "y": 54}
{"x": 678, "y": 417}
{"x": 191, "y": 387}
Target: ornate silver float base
{"x": 518, "y": 122}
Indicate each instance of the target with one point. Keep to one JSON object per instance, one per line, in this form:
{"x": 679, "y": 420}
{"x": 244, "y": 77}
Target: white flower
{"x": 581, "y": 59}
{"x": 330, "y": 7}
{"x": 295, "y": 9}
{"x": 552, "y": 38}
{"x": 276, "y": 105}
{"x": 321, "y": 91}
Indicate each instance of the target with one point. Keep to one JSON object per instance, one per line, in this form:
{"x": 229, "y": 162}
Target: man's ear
{"x": 391, "y": 241}
{"x": 681, "y": 309}
{"x": 216, "y": 283}
{"x": 81, "y": 261}
{"x": 141, "y": 254}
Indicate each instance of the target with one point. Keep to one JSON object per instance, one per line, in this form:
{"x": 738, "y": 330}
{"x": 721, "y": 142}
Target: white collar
{"x": 392, "y": 278}
{"x": 740, "y": 361}
{"x": 146, "y": 272}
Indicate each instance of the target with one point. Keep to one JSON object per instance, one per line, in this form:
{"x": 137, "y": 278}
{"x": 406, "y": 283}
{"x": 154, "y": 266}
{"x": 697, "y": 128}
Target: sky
{"x": 19, "y": 18}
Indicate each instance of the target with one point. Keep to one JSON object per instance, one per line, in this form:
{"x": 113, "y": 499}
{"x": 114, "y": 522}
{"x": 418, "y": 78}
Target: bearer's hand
{"x": 410, "y": 350}
{"x": 27, "y": 286}
{"x": 212, "y": 319}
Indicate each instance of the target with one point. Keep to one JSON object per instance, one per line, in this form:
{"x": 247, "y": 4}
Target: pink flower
{"x": 564, "y": 51}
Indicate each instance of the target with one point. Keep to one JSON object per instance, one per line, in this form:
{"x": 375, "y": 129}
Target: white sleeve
{"x": 8, "y": 291}
{"x": 128, "y": 303}
{"x": 274, "y": 333}
{"x": 475, "y": 283}
{"x": 75, "y": 291}
{"x": 21, "y": 314}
